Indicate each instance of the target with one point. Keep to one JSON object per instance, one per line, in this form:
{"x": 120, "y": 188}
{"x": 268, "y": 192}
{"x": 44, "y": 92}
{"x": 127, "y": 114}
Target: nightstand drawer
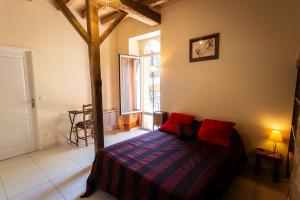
{"x": 159, "y": 117}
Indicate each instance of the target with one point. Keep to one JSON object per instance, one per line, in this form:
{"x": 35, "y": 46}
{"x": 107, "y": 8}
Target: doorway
{"x": 17, "y": 104}
{"x": 151, "y": 81}
{"x": 142, "y": 91}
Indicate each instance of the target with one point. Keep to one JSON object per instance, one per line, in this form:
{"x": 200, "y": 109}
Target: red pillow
{"x": 172, "y": 124}
{"x": 216, "y": 132}
{"x": 189, "y": 131}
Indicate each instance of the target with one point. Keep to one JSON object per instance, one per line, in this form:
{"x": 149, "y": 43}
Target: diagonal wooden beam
{"x": 137, "y": 10}
{"x": 110, "y": 17}
{"x": 153, "y": 3}
{"x": 141, "y": 10}
{"x": 73, "y": 20}
{"x": 57, "y": 6}
{"x": 104, "y": 35}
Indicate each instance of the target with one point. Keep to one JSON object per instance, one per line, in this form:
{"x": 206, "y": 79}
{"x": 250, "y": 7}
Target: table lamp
{"x": 275, "y": 137}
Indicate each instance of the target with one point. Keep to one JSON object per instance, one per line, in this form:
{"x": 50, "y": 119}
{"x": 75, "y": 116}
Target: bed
{"x": 158, "y": 165}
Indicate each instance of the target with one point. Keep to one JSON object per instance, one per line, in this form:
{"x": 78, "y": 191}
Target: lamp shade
{"x": 276, "y": 136}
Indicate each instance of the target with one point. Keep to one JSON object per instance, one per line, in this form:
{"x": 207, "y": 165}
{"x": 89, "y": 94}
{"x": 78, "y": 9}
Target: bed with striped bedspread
{"x": 158, "y": 165}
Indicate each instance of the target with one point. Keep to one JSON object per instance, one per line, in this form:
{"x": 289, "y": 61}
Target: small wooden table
{"x": 72, "y": 117}
{"x": 130, "y": 120}
{"x": 159, "y": 117}
{"x": 270, "y": 155}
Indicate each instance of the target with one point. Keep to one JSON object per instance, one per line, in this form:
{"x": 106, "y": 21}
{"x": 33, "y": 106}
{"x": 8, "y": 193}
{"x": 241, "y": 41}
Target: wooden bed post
{"x": 95, "y": 71}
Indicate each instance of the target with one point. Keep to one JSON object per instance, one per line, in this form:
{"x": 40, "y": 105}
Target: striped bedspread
{"x": 158, "y": 165}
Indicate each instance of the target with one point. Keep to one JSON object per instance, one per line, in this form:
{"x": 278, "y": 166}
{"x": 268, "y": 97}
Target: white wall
{"x": 130, "y": 28}
{"x": 62, "y": 66}
{"x": 252, "y": 83}
{"x": 110, "y": 72}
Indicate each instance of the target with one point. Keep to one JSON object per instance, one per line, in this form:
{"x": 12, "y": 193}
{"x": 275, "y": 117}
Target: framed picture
{"x": 204, "y": 48}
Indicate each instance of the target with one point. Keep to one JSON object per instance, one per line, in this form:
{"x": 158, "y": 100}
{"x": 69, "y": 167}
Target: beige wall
{"x": 130, "y": 28}
{"x": 252, "y": 83}
{"x": 110, "y": 72}
{"x": 61, "y": 62}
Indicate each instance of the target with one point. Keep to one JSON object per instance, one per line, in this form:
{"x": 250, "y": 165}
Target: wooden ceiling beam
{"x": 142, "y": 11}
{"x": 110, "y": 17}
{"x": 110, "y": 29}
{"x": 137, "y": 10}
{"x": 73, "y": 20}
{"x": 153, "y": 3}
{"x": 57, "y": 6}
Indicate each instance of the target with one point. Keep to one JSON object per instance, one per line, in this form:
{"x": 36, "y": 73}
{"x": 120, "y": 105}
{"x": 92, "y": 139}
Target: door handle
{"x": 32, "y": 103}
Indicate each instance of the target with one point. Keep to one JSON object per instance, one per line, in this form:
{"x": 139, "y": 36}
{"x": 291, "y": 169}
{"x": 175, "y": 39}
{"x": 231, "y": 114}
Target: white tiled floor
{"x": 246, "y": 186}
{"x": 60, "y": 173}
{"x": 53, "y": 174}
{"x": 117, "y": 136}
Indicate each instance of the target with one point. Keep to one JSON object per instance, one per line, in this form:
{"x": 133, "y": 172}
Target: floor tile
{"x": 98, "y": 195}
{"x": 61, "y": 149}
{"x": 243, "y": 185}
{"x": 75, "y": 194}
{"x": 74, "y": 153}
{"x": 61, "y": 168}
{"x": 267, "y": 189}
{"x": 45, "y": 159}
{"x": 44, "y": 192}
{"x": 84, "y": 160}
{"x": 18, "y": 170}
{"x": 15, "y": 162}
{"x": 2, "y": 193}
{"x": 25, "y": 183}
{"x": 241, "y": 188}
{"x": 71, "y": 181}
{"x": 116, "y": 136}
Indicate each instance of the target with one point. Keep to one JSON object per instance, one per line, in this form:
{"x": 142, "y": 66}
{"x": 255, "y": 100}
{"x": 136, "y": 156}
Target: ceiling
{"x": 79, "y": 6}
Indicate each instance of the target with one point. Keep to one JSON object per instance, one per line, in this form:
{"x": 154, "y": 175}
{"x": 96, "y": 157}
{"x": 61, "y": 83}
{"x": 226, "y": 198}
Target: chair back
{"x": 87, "y": 113}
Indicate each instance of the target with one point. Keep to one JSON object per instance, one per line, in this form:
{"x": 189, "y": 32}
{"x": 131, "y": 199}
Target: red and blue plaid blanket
{"x": 158, "y": 165}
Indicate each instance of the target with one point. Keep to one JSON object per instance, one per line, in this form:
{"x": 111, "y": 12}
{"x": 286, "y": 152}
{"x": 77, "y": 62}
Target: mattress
{"x": 158, "y": 165}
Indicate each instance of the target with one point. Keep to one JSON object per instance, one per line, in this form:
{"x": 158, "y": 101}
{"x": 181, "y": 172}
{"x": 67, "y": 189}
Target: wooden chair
{"x": 86, "y": 124}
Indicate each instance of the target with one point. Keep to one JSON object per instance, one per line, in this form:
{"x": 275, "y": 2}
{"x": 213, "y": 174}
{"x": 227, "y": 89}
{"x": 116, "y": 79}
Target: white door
{"x": 16, "y": 125}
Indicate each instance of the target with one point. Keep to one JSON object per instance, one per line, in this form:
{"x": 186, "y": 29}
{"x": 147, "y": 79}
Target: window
{"x": 152, "y": 47}
{"x": 151, "y": 81}
{"x": 130, "y": 84}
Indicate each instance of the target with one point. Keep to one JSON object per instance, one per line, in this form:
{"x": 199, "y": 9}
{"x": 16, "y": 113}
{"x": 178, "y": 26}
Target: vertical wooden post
{"x": 95, "y": 71}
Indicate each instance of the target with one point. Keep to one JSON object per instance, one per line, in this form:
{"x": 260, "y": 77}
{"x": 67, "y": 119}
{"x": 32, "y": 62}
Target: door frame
{"x": 30, "y": 78}
{"x": 144, "y": 56}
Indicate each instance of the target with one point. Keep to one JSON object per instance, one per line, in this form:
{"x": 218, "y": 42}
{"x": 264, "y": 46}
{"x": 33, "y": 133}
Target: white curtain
{"x": 130, "y": 85}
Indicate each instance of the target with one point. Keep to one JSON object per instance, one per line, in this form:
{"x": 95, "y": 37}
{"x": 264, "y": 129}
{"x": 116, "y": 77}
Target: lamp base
{"x": 274, "y": 147}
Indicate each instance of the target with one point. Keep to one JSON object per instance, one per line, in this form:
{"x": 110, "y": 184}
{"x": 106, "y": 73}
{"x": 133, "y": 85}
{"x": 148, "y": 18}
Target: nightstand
{"x": 276, "y": 158}
{"x": 159, "y": 117}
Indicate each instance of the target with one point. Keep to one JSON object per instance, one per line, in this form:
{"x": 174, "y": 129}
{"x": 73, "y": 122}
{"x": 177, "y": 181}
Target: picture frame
{"x": 205, "y": 48}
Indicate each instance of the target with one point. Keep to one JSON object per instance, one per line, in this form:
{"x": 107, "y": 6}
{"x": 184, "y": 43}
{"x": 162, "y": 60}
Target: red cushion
{"x": 172, "y": 124}
{"x": 216, "y": 132}
{"x": 189, "y": 131}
